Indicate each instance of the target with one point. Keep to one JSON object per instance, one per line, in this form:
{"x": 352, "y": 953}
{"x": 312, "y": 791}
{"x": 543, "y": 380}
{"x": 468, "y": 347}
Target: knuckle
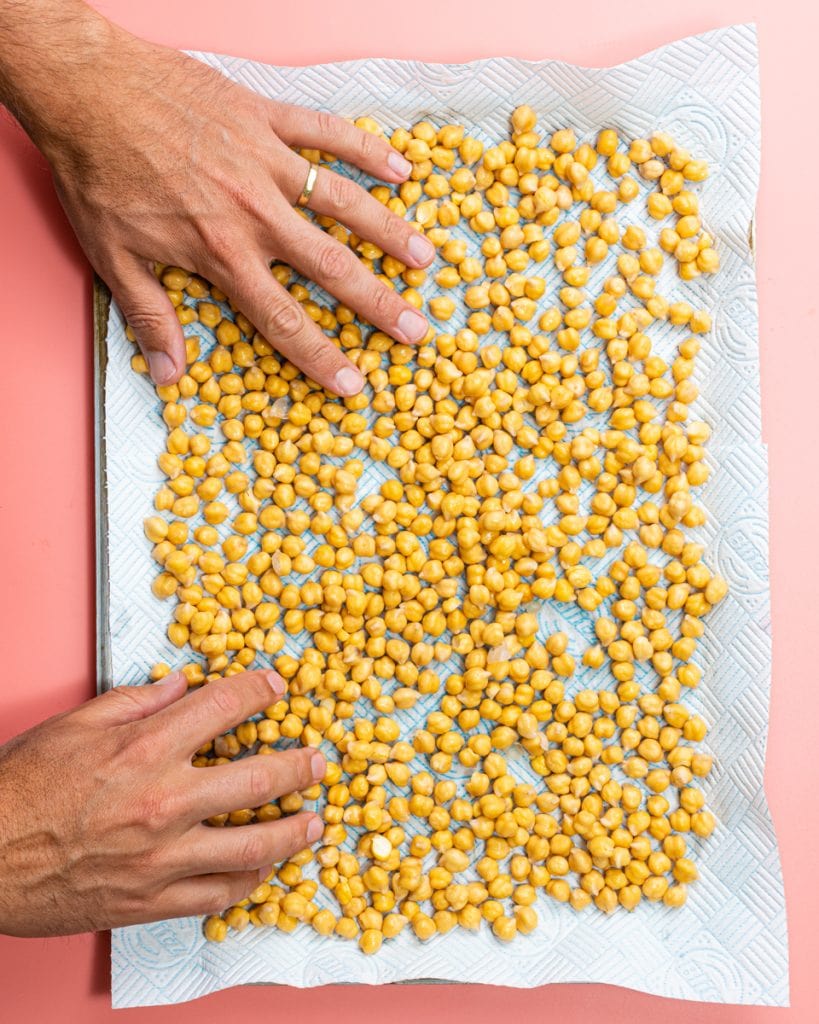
{"x": 251, "y": 853}
{"x": 150, "y": 868}
{"x": 382, "y": 301}
{"x": 226, "y": 702}
{"x": 283, "y": 315}
{"x": 304, "y": 772}
{"x": 144, "y": 320}
{"x": 240, "y": 888}
{"x": 155, "y": 809}
{"x": 390, "y": 227}
{"x": 218, "y": 243}
{"x": 217, "y": 898}
{"x": 212, "y": 233}
{"x": 140, "y": 747}
{"x": 313, "y": 353}
{"x": 367, "y": 145}
{"x": 340, "y": 192}
{"x": 295, "y": 836}
{"x": 328, "y": 126}
{"x": 258, "y": 780}
{"x": 123, "y": 699}
{"x": 332, "y": 263}
{"x": 244, "y": 196}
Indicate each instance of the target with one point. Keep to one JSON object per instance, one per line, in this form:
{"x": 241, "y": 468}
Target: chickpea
{"x": 499, "y": 496}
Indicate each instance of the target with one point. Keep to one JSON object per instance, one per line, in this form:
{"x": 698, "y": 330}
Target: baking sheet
{"x": 729, "y": 943}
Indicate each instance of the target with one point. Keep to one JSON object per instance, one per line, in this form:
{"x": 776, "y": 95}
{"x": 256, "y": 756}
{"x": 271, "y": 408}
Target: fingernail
{"x": 348, "y": 381}
{"x": 399, "y": 164}
{"x": 171, "y": 677}
{"x": 161, "y": 367}
{"x": 265, "y": 873}
{"x": 318, "y": 765}
{"x": 420, "y": 248}
{"x": 276, "y": 683}
{"x": 315, "y": 830}
{"x": 412, "y": 325}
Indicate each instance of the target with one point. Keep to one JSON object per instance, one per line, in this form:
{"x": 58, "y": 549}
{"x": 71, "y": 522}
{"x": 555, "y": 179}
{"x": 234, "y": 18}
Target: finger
{"x": 289, "y": 330}
{"x": 206, "y": 850}
{"x": 253, "y": 781}
{"x": 216, "y": 707}
{"x": 326, "y": 261}
{"x": 316, "y": 129}
{"x": 338, "y": 197}
{"x": 202, "y": 894}
{"x": 152, "y": 318}
{"x": 126, "y": 704}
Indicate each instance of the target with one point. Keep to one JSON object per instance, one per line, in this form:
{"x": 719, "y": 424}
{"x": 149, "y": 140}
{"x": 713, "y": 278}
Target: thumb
{"x": 152, "y": 317}
{"x": 126, "y": 704}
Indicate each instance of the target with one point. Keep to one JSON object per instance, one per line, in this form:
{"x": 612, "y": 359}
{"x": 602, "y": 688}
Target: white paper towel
{"x": 729, "y": 943}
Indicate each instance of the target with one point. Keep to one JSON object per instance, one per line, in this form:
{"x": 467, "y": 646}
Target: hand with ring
{"x": 159, "y": 158}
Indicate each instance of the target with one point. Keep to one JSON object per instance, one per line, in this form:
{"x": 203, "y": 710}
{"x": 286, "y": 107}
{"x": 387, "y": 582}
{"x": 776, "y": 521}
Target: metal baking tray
{"x": 101, "y": 306}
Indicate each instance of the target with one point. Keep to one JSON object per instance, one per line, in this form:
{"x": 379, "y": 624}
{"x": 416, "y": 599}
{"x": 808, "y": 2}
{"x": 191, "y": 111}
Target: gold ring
{"x": 309, "y": 185}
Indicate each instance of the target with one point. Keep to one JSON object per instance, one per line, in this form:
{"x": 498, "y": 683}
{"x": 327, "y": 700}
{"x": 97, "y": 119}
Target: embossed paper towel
{"x": 728, "y": 944}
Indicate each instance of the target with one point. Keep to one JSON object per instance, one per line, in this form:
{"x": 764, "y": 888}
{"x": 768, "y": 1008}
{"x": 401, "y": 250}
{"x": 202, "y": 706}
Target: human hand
{"x": 102, "y": 811}
{"x": 158, "y": 158}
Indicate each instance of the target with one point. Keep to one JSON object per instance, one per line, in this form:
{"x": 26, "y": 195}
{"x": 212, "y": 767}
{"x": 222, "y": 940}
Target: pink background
{"x": 46, "y": 455}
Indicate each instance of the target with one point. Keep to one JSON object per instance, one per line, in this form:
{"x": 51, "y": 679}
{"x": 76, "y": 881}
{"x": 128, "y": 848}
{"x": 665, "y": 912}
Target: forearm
{"x": 158, "y": 158}
{"x": 49, "y": 52}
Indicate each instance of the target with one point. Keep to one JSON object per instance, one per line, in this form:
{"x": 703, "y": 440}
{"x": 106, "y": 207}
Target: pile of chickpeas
{"x": 539, "y": 463}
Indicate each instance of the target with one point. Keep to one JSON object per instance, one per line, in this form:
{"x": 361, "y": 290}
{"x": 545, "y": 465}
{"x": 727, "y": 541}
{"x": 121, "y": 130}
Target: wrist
{"x": 53, "y": 54}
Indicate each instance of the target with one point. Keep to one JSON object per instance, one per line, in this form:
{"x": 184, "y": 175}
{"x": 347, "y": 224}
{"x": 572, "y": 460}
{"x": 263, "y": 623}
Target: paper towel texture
{"x": 729, "y": 943}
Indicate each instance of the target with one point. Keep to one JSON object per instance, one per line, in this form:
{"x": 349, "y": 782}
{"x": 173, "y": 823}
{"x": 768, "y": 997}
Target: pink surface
{"x": 46, "y": 504}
